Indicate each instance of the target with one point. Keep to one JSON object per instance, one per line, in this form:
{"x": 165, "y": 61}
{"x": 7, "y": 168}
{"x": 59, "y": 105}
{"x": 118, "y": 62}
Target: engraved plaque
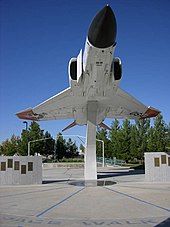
{"x": 163, "y": 159}
{"x": 30, "y": 166}
{"x": 10, "y": 163}
{"x": 168, "y": 161}
{"x": 156, "y": 161}
{"x": 3, "y": 166}
{"x": 23, "y": 169}
{"x": 16, "y": 165}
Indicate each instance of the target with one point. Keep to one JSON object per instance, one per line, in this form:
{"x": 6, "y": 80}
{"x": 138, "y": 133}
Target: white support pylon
{"x": 90, "y": 170}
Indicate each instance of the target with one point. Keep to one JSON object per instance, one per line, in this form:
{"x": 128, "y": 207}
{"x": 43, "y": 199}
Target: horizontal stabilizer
{"x": 105, "y": 126}
{"x": 69, "y": 126}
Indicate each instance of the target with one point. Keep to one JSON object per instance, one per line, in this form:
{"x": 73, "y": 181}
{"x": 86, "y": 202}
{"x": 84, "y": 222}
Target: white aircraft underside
{"x": 93, "y": 78}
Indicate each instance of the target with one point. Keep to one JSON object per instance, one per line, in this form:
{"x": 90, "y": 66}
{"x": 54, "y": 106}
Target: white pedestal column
{"x": 90, "y": 170}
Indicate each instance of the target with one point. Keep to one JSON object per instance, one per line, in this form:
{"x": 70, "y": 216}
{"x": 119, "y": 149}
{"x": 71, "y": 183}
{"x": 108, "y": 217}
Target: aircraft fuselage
{"x": 95, "y": 67}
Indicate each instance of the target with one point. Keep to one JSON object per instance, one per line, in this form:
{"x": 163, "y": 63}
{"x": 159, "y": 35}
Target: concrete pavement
{"x": 129, "y": 202}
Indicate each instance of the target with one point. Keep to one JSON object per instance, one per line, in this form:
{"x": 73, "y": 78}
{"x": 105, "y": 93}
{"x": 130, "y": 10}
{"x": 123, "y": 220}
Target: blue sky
{"x": 38, "y": 38}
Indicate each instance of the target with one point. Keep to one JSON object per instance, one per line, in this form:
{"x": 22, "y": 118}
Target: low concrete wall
{"x": 20, "y": 170}
{"x": 157, "y": 166}
{"x": 63, "y": 165}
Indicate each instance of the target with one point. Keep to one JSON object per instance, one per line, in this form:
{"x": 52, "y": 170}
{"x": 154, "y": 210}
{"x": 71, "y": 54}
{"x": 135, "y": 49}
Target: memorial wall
{"x": 20, "y": 170}
{"x": 157, "y": 166}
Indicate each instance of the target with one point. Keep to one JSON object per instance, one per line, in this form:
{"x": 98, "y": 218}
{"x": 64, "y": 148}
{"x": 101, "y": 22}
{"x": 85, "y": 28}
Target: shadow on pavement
{"x": 115, "y": 173}
{"x": 53, "y": 181}
{"x": 165, "y": 223}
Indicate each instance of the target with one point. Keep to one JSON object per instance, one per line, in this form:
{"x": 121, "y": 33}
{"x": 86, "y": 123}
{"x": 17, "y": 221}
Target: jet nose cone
{"x": 102, "y": 31}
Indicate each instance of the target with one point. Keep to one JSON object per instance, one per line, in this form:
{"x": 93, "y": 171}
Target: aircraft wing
{"x": 62, "y": 106}
{"x": 59, "y": 106}
{"x": 123, "y": 105}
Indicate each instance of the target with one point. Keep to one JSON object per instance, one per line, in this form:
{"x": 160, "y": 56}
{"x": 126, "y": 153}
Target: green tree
{"x": 60, "y": 147}
{"x": 143, "y": 128}
{"x": 134, "y": 142}
{"x": 48, "y": 145}
{"x": 151, "y": 145}
{"x": 167, "y": 136}
{"x": 19, "y": 145}
{"x": 114, "y": 136}
{"x": 10, "y": 146}
{"x": 44, "y": 147}
{"x": 72, "y": 149}
{"x": 124, "y": 140}
{"x": 35, "y": 133}
{"x": 102, "y": 135}
{"x": 82, "y": 148}
{"x": 159, "y": 133}
{"x": 23, "y": 143}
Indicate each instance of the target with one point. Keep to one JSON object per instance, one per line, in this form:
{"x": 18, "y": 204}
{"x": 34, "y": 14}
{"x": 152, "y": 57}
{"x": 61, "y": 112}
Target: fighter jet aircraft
{"x": 94, "y": 77}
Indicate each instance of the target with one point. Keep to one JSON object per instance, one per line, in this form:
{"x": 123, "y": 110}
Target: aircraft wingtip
{"x": 150, "y": 112}
{"x": 27, "y": 114}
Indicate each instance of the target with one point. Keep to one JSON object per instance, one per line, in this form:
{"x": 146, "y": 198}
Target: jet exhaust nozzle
{"x": 102, "y": 31}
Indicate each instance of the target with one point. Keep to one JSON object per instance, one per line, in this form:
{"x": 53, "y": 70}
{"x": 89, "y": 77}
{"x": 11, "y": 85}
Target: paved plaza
{"x": 58, "y": 202}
